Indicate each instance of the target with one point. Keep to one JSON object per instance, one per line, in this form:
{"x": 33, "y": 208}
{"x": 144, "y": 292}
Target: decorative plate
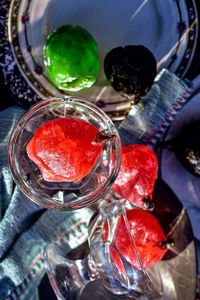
{"x": 168, "y": 28}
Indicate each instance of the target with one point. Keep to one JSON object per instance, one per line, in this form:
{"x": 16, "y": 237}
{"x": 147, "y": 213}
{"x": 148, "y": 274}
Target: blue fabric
{"x": 26, "y": 228}
{"x": 147, "y": 122}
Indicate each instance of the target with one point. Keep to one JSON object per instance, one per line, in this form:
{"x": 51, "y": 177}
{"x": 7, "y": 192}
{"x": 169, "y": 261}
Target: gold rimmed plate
{"x": 168, "y": 28}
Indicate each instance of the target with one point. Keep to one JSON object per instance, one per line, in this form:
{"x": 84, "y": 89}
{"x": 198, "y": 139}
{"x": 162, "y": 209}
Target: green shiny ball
{"x": 71, "y": 58}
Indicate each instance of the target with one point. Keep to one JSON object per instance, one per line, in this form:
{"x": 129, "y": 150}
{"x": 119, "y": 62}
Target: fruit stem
{"x": 167, "y": 243}
{"x": 148, "y": 204}
{"x": 102, "y": 138}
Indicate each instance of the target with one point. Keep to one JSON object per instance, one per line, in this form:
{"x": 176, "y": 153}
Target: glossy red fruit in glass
{"x": 64, "y": 149}
{"x": 148, "y": 237}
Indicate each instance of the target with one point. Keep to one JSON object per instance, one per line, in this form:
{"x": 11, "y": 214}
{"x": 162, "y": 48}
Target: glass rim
{"x": 83, "y": 200}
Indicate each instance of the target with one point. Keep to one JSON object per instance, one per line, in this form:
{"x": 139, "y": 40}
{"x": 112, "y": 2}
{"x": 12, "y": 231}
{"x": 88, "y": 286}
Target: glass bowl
{"x": 96, "y": 268}
{"x": 64, "y": 195}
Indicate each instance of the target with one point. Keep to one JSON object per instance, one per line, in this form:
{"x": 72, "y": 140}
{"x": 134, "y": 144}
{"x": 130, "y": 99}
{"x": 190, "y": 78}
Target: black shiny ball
{"x": 130, "y": 70}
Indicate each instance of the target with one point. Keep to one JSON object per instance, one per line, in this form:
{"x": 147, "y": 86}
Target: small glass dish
{"x": 64, "y": 195}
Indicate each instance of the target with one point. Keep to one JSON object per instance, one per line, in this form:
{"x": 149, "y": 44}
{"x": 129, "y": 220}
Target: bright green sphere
{"x": 71, "y": 58}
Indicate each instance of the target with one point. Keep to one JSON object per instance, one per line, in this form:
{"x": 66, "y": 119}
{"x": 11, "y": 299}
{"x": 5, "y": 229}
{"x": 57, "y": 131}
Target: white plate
{"x": 155, "y": 24}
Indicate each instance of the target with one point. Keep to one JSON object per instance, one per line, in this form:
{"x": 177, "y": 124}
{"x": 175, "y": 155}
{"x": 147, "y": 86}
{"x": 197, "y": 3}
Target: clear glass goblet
{"x": 64, "y": 195}
{"x": 98, "y": 269}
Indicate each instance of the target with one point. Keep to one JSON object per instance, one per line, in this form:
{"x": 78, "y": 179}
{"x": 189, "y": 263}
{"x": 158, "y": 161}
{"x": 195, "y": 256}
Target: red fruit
{"x": 63, "y": 149}
{"x": 137, "y": 175}
{"x": 117, "y": 260}
{"x": 147, "y": 234}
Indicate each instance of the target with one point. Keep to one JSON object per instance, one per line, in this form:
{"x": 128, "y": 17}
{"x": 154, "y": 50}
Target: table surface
{"x": 9, "y": 96}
